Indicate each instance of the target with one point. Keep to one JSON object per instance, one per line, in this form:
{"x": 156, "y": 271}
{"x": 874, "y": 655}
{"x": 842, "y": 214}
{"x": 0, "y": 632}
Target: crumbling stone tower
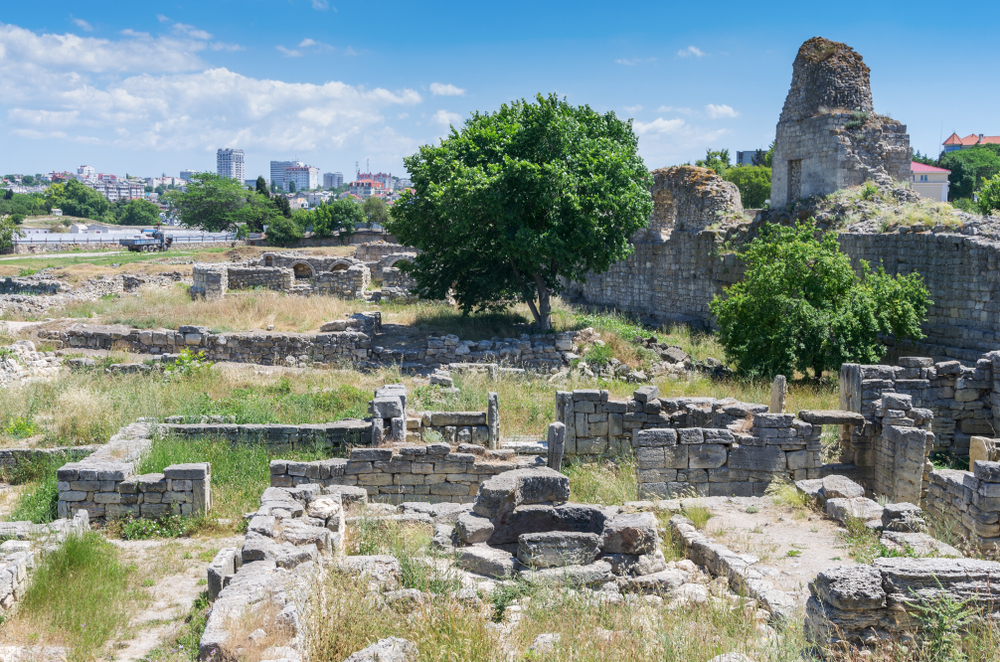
{"x": 829, "y": 136}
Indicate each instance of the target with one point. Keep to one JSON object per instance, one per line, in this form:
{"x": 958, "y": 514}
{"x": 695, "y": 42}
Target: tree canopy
{"x": 344, "y": 215}
{"x": 218, "y": 204}
{"x": 8, "y": 230}
{"x": 988, "y": 196}
{"x": 75, "y": 199}
{"x": 717, "y": 160}
{"x": 516, "y": 200}
{"x": 139, "y": 212}
{"x": 375, "y": 210}
{"x": 800, "y": 306}
{"x": 969, "y": 168}
{"x": 754, "y": 183}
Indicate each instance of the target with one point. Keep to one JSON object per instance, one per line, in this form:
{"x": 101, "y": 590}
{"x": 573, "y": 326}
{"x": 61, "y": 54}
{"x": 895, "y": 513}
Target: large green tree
{"x": 75, "y": 199}
{"x": 800, "y": 306}
{"x": 8, "y": 230}
{"x": 717, "y": 160}
{"x": 261, "y": 186}
{"x": 344, "y": 215}
{"x": 514, "y": 202}
{"x": 218, "y": 204}
{"x": 754, "y": 183}
{"x": 139, "y": 212}
{"x": 969, "y": 168}
{"x": 376, "y": 210}
{"x": 988, "y": 196}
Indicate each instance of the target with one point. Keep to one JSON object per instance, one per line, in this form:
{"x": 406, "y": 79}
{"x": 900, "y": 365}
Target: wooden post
{"x": 779, "y": 392}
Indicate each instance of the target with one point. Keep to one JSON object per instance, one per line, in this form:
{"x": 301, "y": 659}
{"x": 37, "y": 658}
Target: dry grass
{"x": 608, "y": 483}
{"x": 255, "y": 630}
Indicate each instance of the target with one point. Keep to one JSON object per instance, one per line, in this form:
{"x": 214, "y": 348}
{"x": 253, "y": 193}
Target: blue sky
{"x": 149, "y": 88}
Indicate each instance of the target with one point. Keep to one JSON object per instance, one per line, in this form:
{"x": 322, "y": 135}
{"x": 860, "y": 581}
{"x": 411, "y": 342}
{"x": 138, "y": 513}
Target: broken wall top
{"x": 827, "y": 76}
{"x": 690, "y": 198}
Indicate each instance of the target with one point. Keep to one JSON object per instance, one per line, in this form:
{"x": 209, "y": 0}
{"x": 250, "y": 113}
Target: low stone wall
{"x": 865, "y": 604}
{"x": 247, "y": 278}
{"x": 376, "y": 250}
{"x": 33, "y": 286}
{"x": 104, "y": 484}
{"x": 433, "y": 472}
{"x": 22, "y": 548}
{"x": 393, "y": 277}
{"x": 968, "y": 503}
{"x": 350, "y": 283}
{"x": 328, "y": 437}
{"x": 11, "y": 458}
{"x": 209, "y": 281}
{"x": 20, "y": 363}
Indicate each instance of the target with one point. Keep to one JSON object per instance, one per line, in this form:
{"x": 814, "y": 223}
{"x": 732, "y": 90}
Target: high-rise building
{"x": 306, "y": 177}
{"x": 85, "y": 172}
{"x": 333, "y": 179}
{"x": 278, "y": 172}
{"x": 187, "y": 174}
{"x": 229, "y": 163}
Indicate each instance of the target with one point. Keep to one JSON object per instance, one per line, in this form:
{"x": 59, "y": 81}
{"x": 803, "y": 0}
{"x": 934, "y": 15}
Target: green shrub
{"x": 989, "y": 196}
{"x": 38, "y": 502}
{"x": 800, "y": 306}
{"x": 599, "y": 355}
{"x": 754, "y": 183}
{"x": 171, "y": 526}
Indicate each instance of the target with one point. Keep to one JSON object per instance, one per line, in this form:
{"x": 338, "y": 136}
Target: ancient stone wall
{"x": 828, "y": 136}
{"x": 691, "y": 445}
{"x": 376, "y": 250}
{"x": 330, "y": 438}
{"x": 247, "y": 278}
{"x": 393, "y": 277}
{"x": 209, "y": 281}
{"x": 350, "y": 283}
{"x": 968, "y": 503}
{"x": 32, "y": 286}
{"x": 432, "y": 472}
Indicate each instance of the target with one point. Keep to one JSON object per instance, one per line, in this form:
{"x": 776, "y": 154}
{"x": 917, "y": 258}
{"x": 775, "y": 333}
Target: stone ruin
{"x": 829, "y": 136}
{"x": 301, "y": 273}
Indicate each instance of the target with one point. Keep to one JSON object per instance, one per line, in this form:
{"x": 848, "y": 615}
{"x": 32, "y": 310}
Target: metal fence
{"x": 112, "y": 238}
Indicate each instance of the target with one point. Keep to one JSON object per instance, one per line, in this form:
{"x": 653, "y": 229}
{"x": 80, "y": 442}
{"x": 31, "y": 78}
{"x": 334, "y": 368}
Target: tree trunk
{"x": 544, "y": 304}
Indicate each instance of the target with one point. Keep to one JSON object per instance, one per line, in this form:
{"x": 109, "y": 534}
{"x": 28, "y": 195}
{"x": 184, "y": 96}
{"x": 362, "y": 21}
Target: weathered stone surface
{"x": 841, "y": 487}
{"x": 917, "y": 543}
{"x": 473, "y": 528}
{"x": 592, "y": 574}
{"x": 831, "y": 417}
{"x": 857, "y": 508}
{"x": 850, "y": 588}
{"x": 484, "y": 560}
{"x": 383, "y": 568}
{"x": 663, "y": 583}
{"x": 557, "y": 549}
{"x": 630, "y": 534}
{"x": 757, "y": 458}
{"x": 903, "y": 517}
{"x": 506, "y": 491}
{"x": 630, "y": 564}
{"x": 392, "y": 649}
{"x": 706, "y": 456}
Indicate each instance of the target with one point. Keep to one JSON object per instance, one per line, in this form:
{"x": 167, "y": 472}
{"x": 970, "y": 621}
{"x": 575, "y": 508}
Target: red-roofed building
{"x": 364, "y": 188}
{"x": 930, "y": 182}
{"x": 954, "y": 143}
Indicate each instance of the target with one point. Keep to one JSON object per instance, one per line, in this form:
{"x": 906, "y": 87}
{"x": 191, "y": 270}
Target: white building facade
{"x": 229, "y": 163}
{"x": 333, "y": 179}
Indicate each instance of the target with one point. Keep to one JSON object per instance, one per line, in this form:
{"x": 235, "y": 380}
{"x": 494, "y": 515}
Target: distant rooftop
{"x": 923, "y": 167}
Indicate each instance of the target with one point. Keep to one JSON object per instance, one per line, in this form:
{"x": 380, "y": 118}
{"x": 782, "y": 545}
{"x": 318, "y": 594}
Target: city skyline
{"x": 137, "y": 90}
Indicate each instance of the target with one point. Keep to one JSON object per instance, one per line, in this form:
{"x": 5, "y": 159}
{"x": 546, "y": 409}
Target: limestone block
{"x": 755, "y": 458}
{"x": 630, "y": 534}
{"x": 707, "y": 456}
{"x": 557, "y": 549}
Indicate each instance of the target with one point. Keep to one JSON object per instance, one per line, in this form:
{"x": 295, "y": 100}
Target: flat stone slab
{"x": 920, "y": 544}
{"x": 488, "y": 561}
{"x": 630, "y": 534}
{"x": 557, "y": 549}
{"x": 859, "y": 507}
{"x": 831, "y": 417}
{"x": 510, "y": 489}
{"x": 593, "y": 574}
{"x": 841, "y": 487}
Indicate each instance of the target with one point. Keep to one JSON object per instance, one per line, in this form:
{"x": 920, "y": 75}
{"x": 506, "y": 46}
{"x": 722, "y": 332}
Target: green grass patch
{"x": 39, "y": 498}
{"x": 699, "y": 515}
{"x": 608, "y": 483}
{"x": 410, "y": 544}
{"x": 81, "y": 594}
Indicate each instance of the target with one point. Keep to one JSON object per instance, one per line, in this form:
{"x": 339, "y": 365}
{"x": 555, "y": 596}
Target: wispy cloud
{"x": 321, "y": 5}
{"x": 690, "y": 51}
{"x": 349, "y": 51}
{"x": 288, "y": 52}
{"x": 82, "y": 24}
{"x": 446, "y": 90}
{"x": 631, "y": 62}
{"x": 720, "y": 111}
{"x": 444, "y": 118}
{"x": 658, "y": 126}
{"x": 192, "y": 31}
{"x": 162, "y": 19}
{"x": 632, "y": 109}
{"x": 674, "y": 109}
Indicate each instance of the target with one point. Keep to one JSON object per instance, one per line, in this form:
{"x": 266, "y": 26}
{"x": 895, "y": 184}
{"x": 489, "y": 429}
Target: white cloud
{"x": 27, "y": 53}
{"x": 305, "y": 43}
{"x": 690, "y": 51}
{"x": 720, "y": 111}
{"x": 162, "y": 19}
{"x": 634, "y": 61}
{"x": 191, "y": 31}
{"x": 289, "y": 52}
{"x": 350, "y": 51}
{"x": 632, "y": 109}
{"x": 444, "y": 118}
{"x": 83, "y": 25}
{"x": 658, "y": 126}
{"x": 85, "y": 90}
{"x": 449, "y": 90}
{"x": 320, "y": 5}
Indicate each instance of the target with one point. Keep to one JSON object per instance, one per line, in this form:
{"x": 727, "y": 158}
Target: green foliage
{"x": 75, "y": 199}
{"x": 261, "y": 187}
{"x": 171, "y": 526}
{"x": 283, "y": 231}
{"x": 988, "y": 197}
{"x": 505, "y": 595}
{"x": 82, "y": 592}
{"x": 17, "y": 219}
{"x": 599, "y": 355}
{"x": 944, "y": 621}
{"x": 801, "y": 307}
{"x": 218, "y": 204}
{"x": 21, "y": 427}
{"x": 139, "y": 212}
{"x": 516, "y": 200}
{"x": 376, "y": 210}
{"x": 698, "y": 514}
{"x": 343, "y": 215}
{"x": 8, "y": 230}
{"x": 923, "y": 158}
{"x": 754, "y": 183}
{"x": 969, "y": 168}
{"x": 38, "y": 502}
{"x": 715, "y": 160}
{"x": 187, "y": 363}
{"x": 857, "y": 121}
{"x": 869, "y": 191}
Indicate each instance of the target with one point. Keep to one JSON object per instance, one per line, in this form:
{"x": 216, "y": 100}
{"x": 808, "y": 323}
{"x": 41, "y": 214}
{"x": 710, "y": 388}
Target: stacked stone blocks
{"x": 968, "y": 503}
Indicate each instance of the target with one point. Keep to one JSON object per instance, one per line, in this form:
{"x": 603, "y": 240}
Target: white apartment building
{"x": 229, "y": 163}
{"x": 306, "y": 177}
{"x": 333, "y": 179}
{"x": 278, "y": 172}
{"x": 187, "y": 174}
{"x": 85, "y": 172}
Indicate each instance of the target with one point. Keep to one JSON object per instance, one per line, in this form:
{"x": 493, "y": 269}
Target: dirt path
{"x": 792, "y": 544}
{"x": 174, "y": 572}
